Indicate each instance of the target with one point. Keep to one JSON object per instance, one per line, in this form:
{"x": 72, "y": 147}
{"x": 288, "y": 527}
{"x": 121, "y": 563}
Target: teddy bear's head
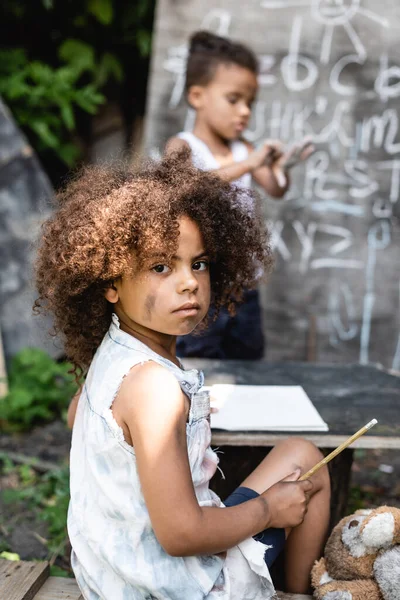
{"x": 346, "y": 555}
{"x": 363, "y": 546}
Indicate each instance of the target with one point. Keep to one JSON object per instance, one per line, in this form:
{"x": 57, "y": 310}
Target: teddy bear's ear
{"x": 353, "y": 523}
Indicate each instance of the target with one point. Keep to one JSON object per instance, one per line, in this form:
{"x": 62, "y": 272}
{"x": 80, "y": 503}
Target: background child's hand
{"x": 287, "y": 501}
{"x": 269, "y": 151}
{"x": 287, "y": 160}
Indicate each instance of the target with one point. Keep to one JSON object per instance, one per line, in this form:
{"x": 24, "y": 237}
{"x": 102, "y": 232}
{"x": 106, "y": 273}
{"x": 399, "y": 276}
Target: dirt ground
{"x": 375, "y": 481}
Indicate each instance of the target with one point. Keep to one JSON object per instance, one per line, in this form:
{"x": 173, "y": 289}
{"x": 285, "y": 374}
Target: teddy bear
{"x": 362, "y": 558}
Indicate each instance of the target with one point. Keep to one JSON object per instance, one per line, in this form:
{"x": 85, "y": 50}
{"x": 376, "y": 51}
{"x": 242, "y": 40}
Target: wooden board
{"x": 329, "y": 69}
{"x": 59, "y": 588}
{"x": 283, "y": 596}
{"x": 21, "y": 580}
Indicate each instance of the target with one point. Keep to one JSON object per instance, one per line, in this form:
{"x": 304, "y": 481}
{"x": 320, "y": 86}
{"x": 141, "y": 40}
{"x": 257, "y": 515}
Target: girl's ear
{"x": 195, "y": 96}
{"x": 111, "y": 294}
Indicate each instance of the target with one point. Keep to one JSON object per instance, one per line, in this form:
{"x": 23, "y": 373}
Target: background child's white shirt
{"x": 115, "y": 553}
{"x": 203, "y": 158}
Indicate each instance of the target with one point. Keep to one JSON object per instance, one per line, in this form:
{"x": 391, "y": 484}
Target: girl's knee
{"x": 303, "y": 450}
{"x": 305, "y": 455}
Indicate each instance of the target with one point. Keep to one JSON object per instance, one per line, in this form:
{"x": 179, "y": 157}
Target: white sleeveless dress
{"x": 115, "y": 553}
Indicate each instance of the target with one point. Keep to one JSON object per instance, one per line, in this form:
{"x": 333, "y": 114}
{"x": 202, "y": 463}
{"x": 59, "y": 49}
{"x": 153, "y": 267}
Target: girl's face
{"x": 224, "y": 104}
{"x": 167, "y": 298}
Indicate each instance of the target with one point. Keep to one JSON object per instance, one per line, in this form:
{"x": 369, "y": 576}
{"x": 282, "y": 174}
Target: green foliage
{"x": 360, "y": 498}
{"x": 47, "y": 496}
{"x": 63, "y": 71}
{"x": 44, "y": 99}
{"x": 39, "y": 390}
{"x": 102, "y": 10}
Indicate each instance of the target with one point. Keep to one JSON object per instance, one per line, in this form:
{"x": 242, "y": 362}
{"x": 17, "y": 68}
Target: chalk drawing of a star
{"x": 331, "y": 14}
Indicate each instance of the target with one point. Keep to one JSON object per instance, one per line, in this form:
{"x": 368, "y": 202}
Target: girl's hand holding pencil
{"x": 287, "y": 501}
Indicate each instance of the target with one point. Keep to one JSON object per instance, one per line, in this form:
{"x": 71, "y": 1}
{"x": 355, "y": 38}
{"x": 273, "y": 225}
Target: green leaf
{"x": 69, "y": 153}
{"x": 109, "y": 65}
{"x": 88, "y": 99}
{"x": 77, "y": 53}
{"x": 45, "y": 134}
{"x": 10, "y": 556}
{"x": 102, "y": 10}
{"x": 67, "y": 115}
{"x": 58, "y": 572}
{"x": 143, "y": 39}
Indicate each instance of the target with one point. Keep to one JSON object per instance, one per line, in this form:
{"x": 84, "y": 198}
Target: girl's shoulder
{"x": 150, "y": 390}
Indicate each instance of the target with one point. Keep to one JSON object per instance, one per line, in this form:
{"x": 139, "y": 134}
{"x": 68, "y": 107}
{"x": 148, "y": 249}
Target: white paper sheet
{"x": 263, "y": 408}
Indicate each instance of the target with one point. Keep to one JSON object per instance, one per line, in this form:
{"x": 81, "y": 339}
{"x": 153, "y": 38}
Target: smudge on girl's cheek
{"x": 149, "y": 305}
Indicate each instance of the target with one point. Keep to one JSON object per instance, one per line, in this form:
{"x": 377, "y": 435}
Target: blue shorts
{"x": 271, "y": 537}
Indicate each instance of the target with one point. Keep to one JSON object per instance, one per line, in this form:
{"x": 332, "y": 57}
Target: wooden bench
{"x": 31, "y": 581}
{"x": 346, "y": 396}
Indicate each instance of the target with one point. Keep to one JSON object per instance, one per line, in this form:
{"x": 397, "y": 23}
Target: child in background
{"x": 126, "y": 263}
{"x": 221, "y": 86}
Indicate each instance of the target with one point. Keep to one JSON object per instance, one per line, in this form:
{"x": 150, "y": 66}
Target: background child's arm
{"x": 234, "y": 170}
{"x": 154, "y": 409}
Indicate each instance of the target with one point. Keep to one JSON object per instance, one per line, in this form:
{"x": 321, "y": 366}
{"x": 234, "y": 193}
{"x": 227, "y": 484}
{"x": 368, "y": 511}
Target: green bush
{"x": 44, "y": 496}
{"x": 39, "y": 390}
{"x": 80, "y": 55}
{"x": 44, "y": 99}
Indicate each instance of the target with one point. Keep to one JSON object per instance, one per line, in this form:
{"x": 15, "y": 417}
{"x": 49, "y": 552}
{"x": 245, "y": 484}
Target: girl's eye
{"x": 160, "y": 269}
{"x": 232, "y": 99}
{"x": 200, "y": 265}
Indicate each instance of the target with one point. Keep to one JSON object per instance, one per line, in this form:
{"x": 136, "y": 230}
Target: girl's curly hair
{"x": 109, "y": 219}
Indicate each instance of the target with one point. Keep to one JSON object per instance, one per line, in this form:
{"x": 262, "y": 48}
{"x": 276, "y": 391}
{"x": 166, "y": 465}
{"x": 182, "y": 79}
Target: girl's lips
{"x": 187, "y": 312}
{"x": 188, "y": 309}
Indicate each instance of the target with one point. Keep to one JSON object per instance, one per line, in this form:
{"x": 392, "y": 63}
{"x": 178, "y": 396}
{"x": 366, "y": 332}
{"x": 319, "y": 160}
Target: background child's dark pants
{"x": 238, "y": 337}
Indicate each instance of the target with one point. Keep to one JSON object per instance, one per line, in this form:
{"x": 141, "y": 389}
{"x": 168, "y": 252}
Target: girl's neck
{"x": 162, "y": 344}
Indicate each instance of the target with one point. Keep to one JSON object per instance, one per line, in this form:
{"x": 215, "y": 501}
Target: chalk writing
{"x": 328, "y": 78}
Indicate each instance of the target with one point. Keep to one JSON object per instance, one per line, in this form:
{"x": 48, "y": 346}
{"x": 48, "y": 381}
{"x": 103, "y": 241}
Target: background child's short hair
{"x": 208, "y": 50}
{"x": 109, "y": 220}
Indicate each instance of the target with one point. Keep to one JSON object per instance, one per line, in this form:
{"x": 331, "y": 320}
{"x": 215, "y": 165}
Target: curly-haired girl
{"x": 127, "y": 262}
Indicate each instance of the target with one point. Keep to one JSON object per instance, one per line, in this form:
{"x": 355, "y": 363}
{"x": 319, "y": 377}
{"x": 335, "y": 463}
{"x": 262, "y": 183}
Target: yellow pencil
{"x": 338, "y": 450}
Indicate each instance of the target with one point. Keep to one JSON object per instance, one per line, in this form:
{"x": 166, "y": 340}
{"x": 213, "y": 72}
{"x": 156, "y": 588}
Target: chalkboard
{"x": 329, "y": 68}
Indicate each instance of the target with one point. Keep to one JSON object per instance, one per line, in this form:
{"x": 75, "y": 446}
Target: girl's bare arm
{"x": 155, "y": 410}
{"x": 73, "y": 405}
{"x": 151, "y": 404}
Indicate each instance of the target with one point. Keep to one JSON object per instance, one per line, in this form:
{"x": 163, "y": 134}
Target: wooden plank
{"x": 266, "y": 439}
{"x": 21, "y": 580}
{"x": 59, "y": 588}
{"x": 283, "y": 596}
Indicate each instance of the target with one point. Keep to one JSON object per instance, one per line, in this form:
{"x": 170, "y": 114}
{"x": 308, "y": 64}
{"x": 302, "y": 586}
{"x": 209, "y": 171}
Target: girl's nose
{"x": 187, "y": 282}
